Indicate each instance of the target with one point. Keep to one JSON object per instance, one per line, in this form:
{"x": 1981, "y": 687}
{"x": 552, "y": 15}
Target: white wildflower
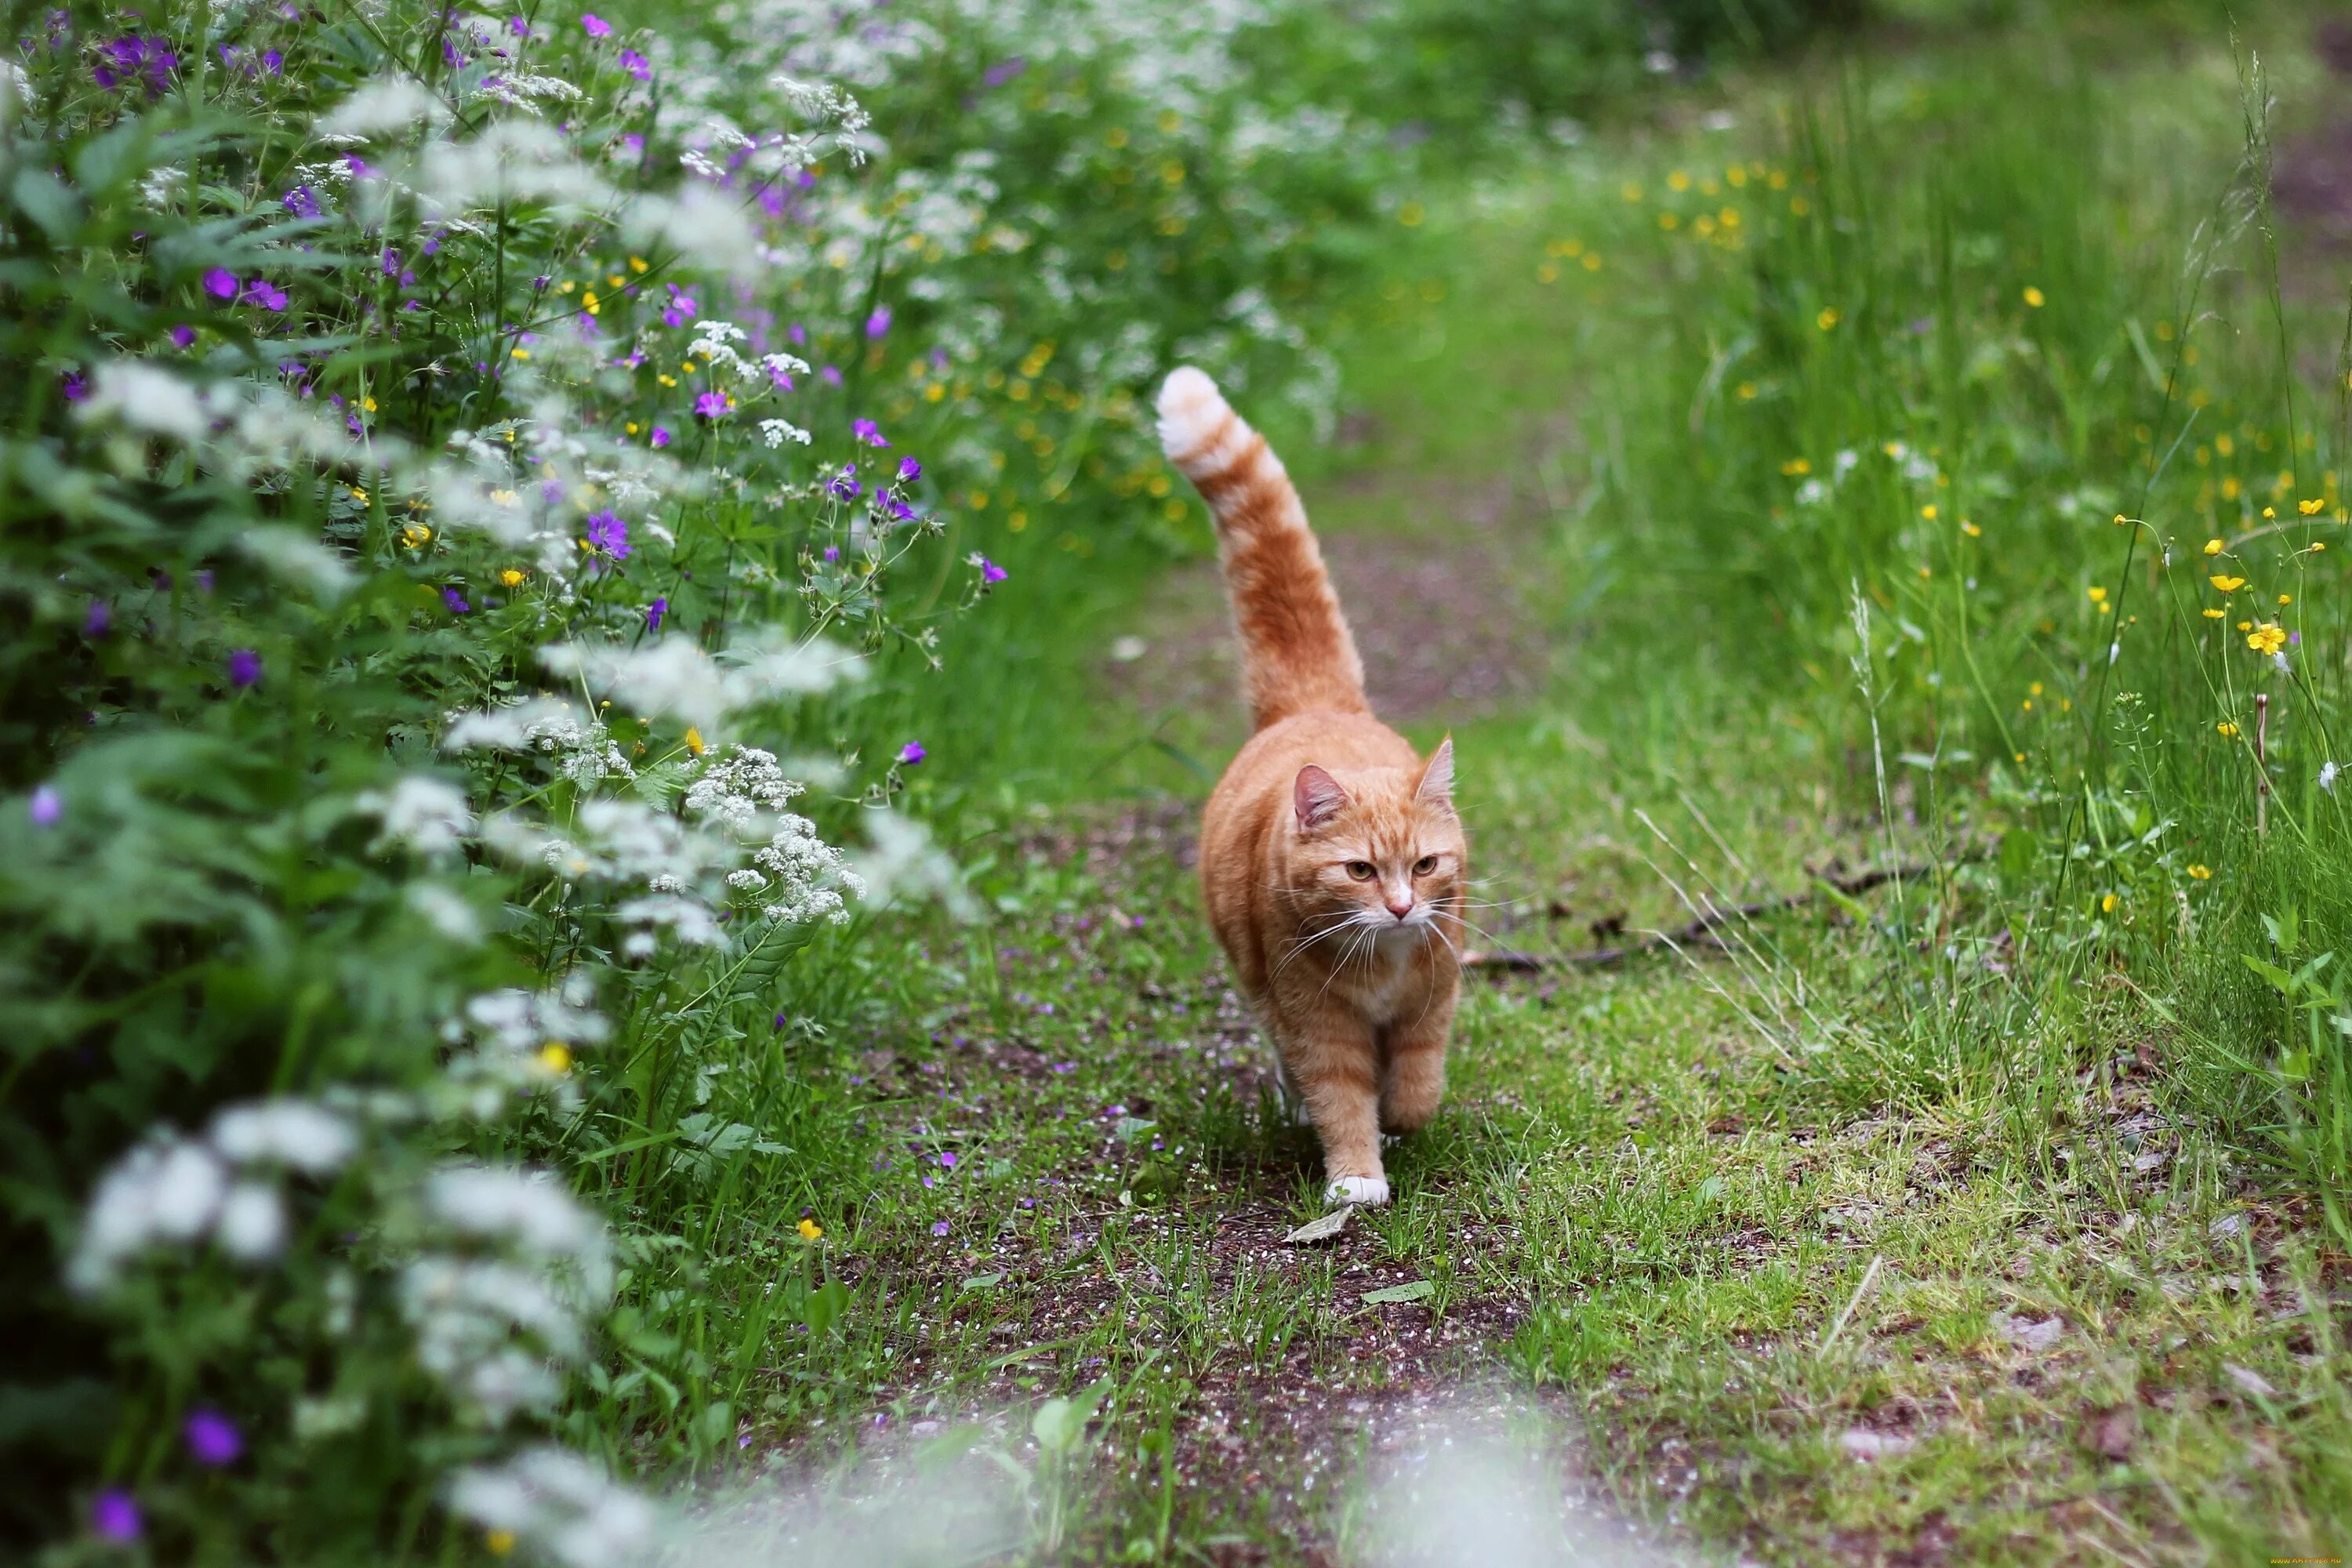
{"x": 380, "y": 107}
{"x": 446, "y": 911}
{"x": 804, "y": 875}
{"x": 672, "y": 677}
{"x": 428, "y": 815}
{"x": 904, "y": 865}
{"x": 776, "y": 432}
{"x": 159, "y": 1192}
{"x": 514, "y": 727}
{"x": 1813, "y": 492}
{"x": 529, "y": 1210}
{"x": 696, "y": 923}
{"x": 559, "y": 1503}
{"x": 2327, "y": 772}
{"x": 285, "y": 1131}
{"x": 737, "y": 785}
{"x": 145, "y": 398}
{"x": 521, "y": 1020}
{"x": 252, "y": 1223}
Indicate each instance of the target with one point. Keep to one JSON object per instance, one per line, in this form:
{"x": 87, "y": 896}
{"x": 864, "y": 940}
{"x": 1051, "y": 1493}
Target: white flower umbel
{"x": 904, "y": 866}
{"x": 285, "y": 1131}
{"x": 738, "y": 785}
{"x": 694, "y": 922}
{"x": 560, "y": 1504}
{"x": 803, "y": 876}
{"x": 178, "y": 1191}
{"x": 672, "y": 677}
{"x": 382, "y": 107}
{"x": 531, "y": 1212}
{"x": 428, "y": 815}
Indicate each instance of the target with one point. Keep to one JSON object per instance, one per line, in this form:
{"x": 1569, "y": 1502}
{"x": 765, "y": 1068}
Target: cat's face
{"x": 1380, "y": 851}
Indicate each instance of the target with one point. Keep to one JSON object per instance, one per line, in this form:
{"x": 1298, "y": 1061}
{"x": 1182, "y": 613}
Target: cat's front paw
{"x": 1371, "y": 1191}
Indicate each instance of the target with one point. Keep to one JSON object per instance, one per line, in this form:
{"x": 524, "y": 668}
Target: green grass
{"x": 1736, "y": 1213}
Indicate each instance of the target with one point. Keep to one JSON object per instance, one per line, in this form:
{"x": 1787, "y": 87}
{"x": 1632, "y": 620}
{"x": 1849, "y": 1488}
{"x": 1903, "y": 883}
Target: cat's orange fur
{"x": 1331, "y": 858}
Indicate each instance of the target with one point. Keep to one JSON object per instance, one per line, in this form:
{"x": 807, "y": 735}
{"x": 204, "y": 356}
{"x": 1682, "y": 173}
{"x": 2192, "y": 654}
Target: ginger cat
{"x": 1331, "y": 858}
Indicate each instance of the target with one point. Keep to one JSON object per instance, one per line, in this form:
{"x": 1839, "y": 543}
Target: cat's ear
{"x": 1316, "y": 796}
{"x": 1436, "y": 785}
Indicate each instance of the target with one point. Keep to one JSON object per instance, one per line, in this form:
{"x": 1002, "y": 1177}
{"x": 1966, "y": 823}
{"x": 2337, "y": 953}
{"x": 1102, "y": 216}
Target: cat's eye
{"x": 1424, "y": 865}
{"x": 1361, "y": 869}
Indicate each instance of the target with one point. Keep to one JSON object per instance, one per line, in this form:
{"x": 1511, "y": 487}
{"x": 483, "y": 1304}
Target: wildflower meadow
{"x": 605, "y": 692}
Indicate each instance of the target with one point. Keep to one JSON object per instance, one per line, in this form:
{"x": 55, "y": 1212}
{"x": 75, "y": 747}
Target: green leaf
{"x": 1397, "y": 1295}
{"x": 46, "y": 200}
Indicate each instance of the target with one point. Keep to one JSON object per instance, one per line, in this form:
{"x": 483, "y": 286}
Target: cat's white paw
{"x": 1371, "y": 1191}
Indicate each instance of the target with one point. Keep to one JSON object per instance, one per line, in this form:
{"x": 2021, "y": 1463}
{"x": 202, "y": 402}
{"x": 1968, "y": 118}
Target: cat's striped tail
{"x": 1296, "y": 654}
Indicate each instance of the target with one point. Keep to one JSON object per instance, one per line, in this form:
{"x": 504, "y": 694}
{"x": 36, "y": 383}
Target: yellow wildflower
{"x": 2286, "y": 598}
{"x": 555, "y": 1057}
{"x": 2311, "y": 507}
{"x": 1796, "y": 466}
{"x": 2033, "y": 297}
{"x": 2098, "y": 595}
{"x": 1827, "y": 319}
{"x": 2212, "y": 547}
{"x": 694, "y": 739}
{"x": 2107, "y": 905}
{"x": 810, "y": 1229}
{"x": 2227, "y": 583}
{"x": 2202, "y": 873}
{"x": 2212, "y": 615}
{"x": 2267, "y": 638}
{"x": 500, "y": 1542}
{"x": 2225, "y": 729}
{"x": 512, "y": 577}
{"x": 1970, "y": 528}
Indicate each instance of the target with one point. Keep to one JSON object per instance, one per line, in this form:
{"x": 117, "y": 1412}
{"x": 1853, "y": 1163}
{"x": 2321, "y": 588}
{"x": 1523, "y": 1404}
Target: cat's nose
{"x": 1400, "y": 907}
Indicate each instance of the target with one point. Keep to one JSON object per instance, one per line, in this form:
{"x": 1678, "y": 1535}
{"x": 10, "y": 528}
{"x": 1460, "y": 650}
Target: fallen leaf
{"x": 2249, "y": 1380}
{"x": 982, "y": 1281}
{"x": 1322, "y": 1229}
{"x": 1865, "y": 1444}
{"x": 2228, "y": 1226}
{"x": 2112, "y": 1434}
{"x": 1395, "y": 1294}
{"x": 2153, "y": 1160}
{"x": 2027, "y": 1335}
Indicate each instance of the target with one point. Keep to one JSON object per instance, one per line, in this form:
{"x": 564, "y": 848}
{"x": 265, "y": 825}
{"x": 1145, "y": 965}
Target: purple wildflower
{"x": 939, "y": 1227}
{"x": 212, "y": 1438}
{"x": 637, "y": 65}
{"x": 661, "y": 437}
{"x": 518, "y": 26}
{"x": 183, "y": 336}
{"x": 300, "y": 202}
{"x": 655, "y": 612}
{"x": 391, "y": 263}
{"x": 272, "y": 62}
{"x": 221, "y": 283}
{"x": 100, "y": 617}
{"x": 910, "y": 470}
{"x": 261, "y": 291}
{"x": 114, "y": 1515}
{"x": 609, "y": 534}
{"x": 778, "y": 376}
{"x": 595, "y": 27}
{"x": 830, "y": 374}
{"x": 947, "y": 1162}
{"x": 832, "y": 552}
{"x": 457, "y": 602}
{"x": 990, "y": 572}
{"x": 845, "y": 483}
{"x": 244, "y": 667}
{"x": 900, "y": 510}
{"x": 869, "y": 432}
{"x": 878, "y": 323}
{"x": 550, "y": 492}
{"x": 1004, "y": 71}
{"x": 45, "y": 807}
{"x": 909, "y": 755}
{"x": 711, "y": 405}
{"x": 75, "y": 385}
{"x": 799, "y": 335}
